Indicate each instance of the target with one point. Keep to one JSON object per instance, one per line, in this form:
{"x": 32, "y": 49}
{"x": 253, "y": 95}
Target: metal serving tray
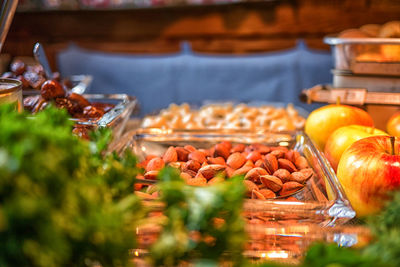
{"x": 366, "y": 55}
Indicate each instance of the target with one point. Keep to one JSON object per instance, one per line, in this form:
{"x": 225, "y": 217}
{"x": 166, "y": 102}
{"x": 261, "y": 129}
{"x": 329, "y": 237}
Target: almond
{"x": 268, "y": 194}
{"x": 238, "y": 148}
{"x": 212, "y": 170}
{"x": 301, "y": 162}
{"x": 192, "y": 165}
{"x": 271, "y": 182}
{"x": 249, "y": 163}
{"x": 290, "y": 155}
{"x": 244, "y": 153}
{"x": 221, "y": 150}
{"x": 227, "y": 144}
{"x": 198, "y": 181}
{"x": 242, "y": 171}
{"x": 254, "y": 156}
{"x": 151, "y": 175}
{"x": 210, "y": 151}
{"x": 229, "y": 172}
{"x": 250, "y": 148}
{"x": 206, "y": 152}
{"x": 190, "y": 172}
{"x": 215, "y": 180}
{"x": 170, "y": 155}
{"x": 155, "y": 164}
{"x": 236, "y": 160}
{"x": 286, "y": 164}
{"x": 289, "y": 188}
{"x": 259, "y": 163}
{"x": 218, "y": 160}
{"x": 185, "y": 176}
{"x": 182, "y": 153}
{"x": 278, "y": 153}
{"x": 261, "y": 186}
{"x": 263, "y": 149}
{"x": 282, "y": 174}
{"x": 299, "y": 177}
{"x": 176, "y": 164}
{"x": 254, "y": 174}
{"x": 307, "y": 172}
{"x": 199, "y": 175}
{"x": 197, "y": 156}
{"x": 143, "y": 164}
{"x": 137, "y": 186}
{"x": 189, "y": 148}
{"x": 270, "y": 163}
{"x": 250, "y": 186}
{"x": 257, "y": 195}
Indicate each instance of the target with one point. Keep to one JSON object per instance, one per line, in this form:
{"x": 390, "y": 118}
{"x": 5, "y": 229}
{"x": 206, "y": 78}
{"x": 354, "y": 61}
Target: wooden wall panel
{"x": 237, "y": 28}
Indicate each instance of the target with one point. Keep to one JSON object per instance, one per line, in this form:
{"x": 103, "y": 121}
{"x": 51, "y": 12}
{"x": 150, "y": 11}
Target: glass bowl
{"x": 115, "y": 119}
{"x": 11, "y": 92}
{"x": 322, "y": 201}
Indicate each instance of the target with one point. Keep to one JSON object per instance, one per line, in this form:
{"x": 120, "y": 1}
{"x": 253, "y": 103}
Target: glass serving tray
{"x": 286, "y": 244}
{"x": 321, "y": 202}
{"x": 114, "y": 119}
{"x": 80, "y": 83}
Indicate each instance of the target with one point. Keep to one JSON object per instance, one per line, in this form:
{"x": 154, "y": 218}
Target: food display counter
{"x": 86, "y": 181}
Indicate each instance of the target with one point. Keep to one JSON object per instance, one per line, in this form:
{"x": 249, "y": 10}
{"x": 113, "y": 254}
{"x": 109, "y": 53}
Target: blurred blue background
{"x": 191, "y": 77}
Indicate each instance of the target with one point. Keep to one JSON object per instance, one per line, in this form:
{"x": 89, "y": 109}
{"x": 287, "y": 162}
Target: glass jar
{"x": 11, "y": 92}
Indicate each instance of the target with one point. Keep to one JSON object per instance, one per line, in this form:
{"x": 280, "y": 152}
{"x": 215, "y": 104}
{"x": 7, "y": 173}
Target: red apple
{"x": 343, "y": 137}
{"x": 324, "y": 121}
{"x": 393, "y": 125}
{"x": 368, "y": 170}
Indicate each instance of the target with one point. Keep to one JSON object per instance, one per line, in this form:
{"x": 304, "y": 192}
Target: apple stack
{"x": 366, "y": 160}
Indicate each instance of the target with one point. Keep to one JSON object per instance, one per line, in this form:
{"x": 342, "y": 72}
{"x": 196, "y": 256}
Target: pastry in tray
{"x": 227, "y": 116}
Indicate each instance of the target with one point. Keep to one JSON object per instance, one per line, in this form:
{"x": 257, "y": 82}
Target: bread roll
{"x": 353, "y": 33}
{"x": 390, "y": 30}
{"x": 371, "y": 29}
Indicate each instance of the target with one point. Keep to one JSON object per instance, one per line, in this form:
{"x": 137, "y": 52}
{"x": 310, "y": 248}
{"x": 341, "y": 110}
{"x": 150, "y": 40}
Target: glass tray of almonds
{"x": 286, "y": 177}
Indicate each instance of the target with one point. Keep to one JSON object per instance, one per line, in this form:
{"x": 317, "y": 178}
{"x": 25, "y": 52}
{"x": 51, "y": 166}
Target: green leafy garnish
{"x": 204, "y": 223}
{"x": 62, "y": 202}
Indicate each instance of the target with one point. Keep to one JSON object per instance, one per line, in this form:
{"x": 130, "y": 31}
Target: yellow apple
{"x": 393, "y": 125}
{"x": 343, "y": 137}
{"x": 322, "y": 122}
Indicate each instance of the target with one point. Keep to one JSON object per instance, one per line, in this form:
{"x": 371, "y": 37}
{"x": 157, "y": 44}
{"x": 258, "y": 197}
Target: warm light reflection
{"x": 277, "y": 255}
{"x": 136, "y": 253}
{"x": 284, "y": 143}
